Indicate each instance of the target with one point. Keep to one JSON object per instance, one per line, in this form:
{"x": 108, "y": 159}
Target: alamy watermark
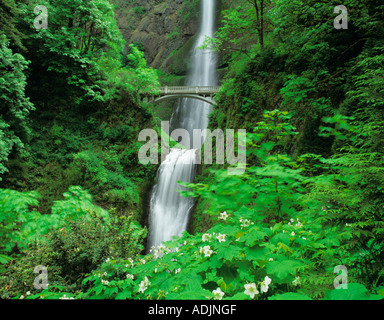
{"x": 341, "y": 21}
{"x": 41, "y": 21}
{"x": 41, "y": 281}
{"x": 341, "y": 281}
{"x": 225, "y": 146}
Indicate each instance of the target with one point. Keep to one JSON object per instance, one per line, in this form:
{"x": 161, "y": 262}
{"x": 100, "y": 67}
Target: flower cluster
{"x": 130, "y": 260}
{"x": 245, "y": 223}
{"x": 144, "y": 285}
{"x": 251, "y": 290}
{"x": 218, "y": 294}
{"x": 105, "y": 282}
{"x": 160, "y": 250}
{"x": 64, "y": 297}
{"x": 206, "y": 250}
{"x": 298, "y": 223}
{"x": 206, "y": 237}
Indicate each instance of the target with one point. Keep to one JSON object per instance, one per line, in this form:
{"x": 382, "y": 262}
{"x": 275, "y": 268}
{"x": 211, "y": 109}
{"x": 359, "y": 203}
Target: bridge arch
{"x": 192, "y": 96}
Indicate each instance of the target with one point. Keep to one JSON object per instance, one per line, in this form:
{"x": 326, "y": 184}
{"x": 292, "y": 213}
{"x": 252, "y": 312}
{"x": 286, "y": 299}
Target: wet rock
{"x": 160, "y": 30}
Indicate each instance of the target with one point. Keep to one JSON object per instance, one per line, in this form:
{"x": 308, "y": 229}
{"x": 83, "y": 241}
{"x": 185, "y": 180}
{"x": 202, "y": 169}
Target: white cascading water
{"x": 169, "y": 210}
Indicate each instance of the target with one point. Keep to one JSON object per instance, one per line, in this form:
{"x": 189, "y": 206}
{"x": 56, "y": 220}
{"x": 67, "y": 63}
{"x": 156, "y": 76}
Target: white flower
{"x": 218, "y": 294}
{"x": 270, "y": 259}
{"x": 142, "y": 261}
{"x": 206, "y": 250}
{"x": 164, "y": 249}
{"x": 265, "y": 284}
{"x": 177, "y": 270}
{"x": 296, "y": 282}
{"x": 292, "y": 233}
{"x": 107, "y": 261}
{"x": 221, "y": 237}
{"x": 21, "y": 297}
{"x": 223, "y": 215}
{"x": 298, "y": 224}
{"x": 28, "y": 293}
{"x": 130, "y": 276}
{"x": 144, "y": 285}
{"x": 105, "y": 282}
{"x": 64, "y": 297}
{"x": 130, "y": 260}
{"x": 206, "y": 237}
{"x": 245, "y": 223}
{"x": 250, "y": 290}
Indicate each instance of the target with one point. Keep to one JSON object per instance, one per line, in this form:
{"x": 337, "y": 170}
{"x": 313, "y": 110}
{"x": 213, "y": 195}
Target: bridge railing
{"x": 200, "y": 90}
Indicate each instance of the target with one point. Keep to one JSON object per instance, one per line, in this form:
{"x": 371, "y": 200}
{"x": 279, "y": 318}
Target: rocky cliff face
{"x": 164, "y": 29}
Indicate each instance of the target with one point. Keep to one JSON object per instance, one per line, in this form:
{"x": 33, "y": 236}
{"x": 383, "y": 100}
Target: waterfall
{"x": 169, "y": 211}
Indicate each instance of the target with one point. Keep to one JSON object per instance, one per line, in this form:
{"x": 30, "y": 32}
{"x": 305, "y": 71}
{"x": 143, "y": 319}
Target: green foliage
{"x": 144, "y": 79}
{"x": 18, "y": 222}
{"x": 241, "y": 31}
{"x": 105, "y": 176}
{"x": 188, "y": 10}
{"x": 9, "y": 15}
{"x": 355, "y": 291}
{"x": 79, "y": 34}
{"x": 76, "y": 202}
{"x": 21, "y": 224}
{"x": 72, "y": 241}
{"x": 14, "y": 105}
{"x": 311, "y": 198}
{"x": 262, "y": 240}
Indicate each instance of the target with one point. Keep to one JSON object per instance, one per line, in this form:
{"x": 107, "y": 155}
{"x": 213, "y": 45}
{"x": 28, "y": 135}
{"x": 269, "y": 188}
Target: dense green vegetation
{"x": 73, "y": 195}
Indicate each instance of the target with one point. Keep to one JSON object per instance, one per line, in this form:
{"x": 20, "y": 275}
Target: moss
{"x": 179, "y": 60}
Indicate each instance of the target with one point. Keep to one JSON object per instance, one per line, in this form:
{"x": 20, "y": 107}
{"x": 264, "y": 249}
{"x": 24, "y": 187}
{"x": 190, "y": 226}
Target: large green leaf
{"x": 4, "y": 259}
{"x": 355, "y": 291}
{"x": 282, "y": 271}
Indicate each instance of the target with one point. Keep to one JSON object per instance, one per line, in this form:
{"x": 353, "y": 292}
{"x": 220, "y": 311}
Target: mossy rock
{"x": 178, "y": 62}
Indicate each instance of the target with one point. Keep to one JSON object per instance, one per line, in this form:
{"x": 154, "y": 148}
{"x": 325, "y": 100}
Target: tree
{"x": 259, "y": 6}
{"x": 8, "y": 21}
{"x": 14, "y": 104}
{"x": 242, "y": 29}
{"x": 66, "y": 54}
